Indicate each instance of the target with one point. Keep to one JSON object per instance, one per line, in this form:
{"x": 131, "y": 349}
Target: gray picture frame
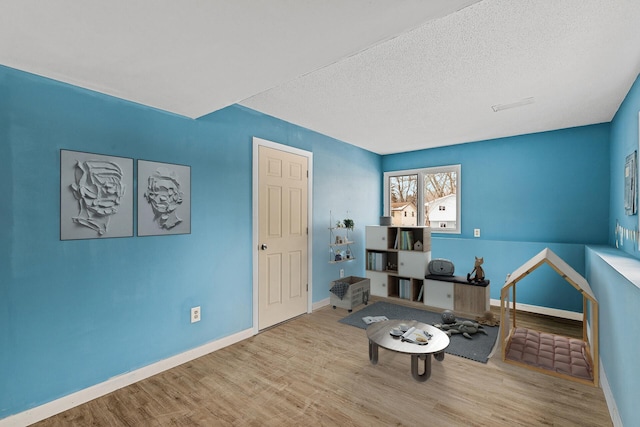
{"x": 96, "y": 196}
{"x": 164, "y": 198}
{"x": 630, "y": 184}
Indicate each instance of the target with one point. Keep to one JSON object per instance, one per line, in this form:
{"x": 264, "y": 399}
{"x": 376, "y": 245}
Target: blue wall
{"x": 526, "y": 193}
{"x": 618, "y": 288}
{"x": 624, "y": 141}
{"x": 76, "y": 313}
{"x": 618, "y": 300}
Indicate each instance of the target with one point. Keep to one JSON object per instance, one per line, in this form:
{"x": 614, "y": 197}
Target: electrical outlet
{"x": 195, "y": 314}
{"x": 342, "y": 272}
{"x": 476, "y": 232}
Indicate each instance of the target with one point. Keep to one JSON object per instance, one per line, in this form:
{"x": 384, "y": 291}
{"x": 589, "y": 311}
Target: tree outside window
{"x": 435, "y": 202}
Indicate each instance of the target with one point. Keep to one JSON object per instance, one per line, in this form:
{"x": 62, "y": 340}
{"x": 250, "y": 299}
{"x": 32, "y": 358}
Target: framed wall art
{"x": 164, "y": 198}
{"x": 96, "y": 196}
{"x": 630, "y": 184}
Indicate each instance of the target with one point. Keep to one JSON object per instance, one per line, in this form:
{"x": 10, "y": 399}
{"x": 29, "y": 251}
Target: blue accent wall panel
{"x": 525, "y": 193}
{"x": 624, "y": 141}
{"x": 618, "y": 299}
{"x": 76, "y": 313}
{"x": 543, "y": 287}
{"x": 543, "y": 187}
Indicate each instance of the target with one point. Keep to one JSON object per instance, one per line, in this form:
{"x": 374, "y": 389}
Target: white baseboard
{"x": 608, "y": 395}
{"x": 54, "y": 407}
{"x": 57, "y": 406}
{"x": 564, "y": 314}
{"x": 320, "y": 304}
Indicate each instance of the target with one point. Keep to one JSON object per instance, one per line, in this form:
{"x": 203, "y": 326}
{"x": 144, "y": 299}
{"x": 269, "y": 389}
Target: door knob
{"x": 263, "y": 247}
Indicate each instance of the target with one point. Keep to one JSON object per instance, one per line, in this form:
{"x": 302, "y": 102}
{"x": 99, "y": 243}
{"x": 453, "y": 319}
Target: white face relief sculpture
{"x": 98, "y": 188}
{"x": 164, "y": 195}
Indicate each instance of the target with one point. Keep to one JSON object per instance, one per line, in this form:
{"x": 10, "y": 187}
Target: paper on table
{"x": 373, "y": 319}
{"x": 416, "y": 336}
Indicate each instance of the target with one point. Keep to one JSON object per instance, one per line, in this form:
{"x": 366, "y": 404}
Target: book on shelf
{"x": 404, "y": 288}
{"x": 377, "y": 261}
{"x": 406, "y": 240}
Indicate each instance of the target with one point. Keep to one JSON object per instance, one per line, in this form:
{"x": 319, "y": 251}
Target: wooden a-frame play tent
{"x": 556, "y": 355}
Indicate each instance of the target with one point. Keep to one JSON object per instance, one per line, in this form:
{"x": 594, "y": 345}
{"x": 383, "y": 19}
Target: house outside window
{"x": 436, "y": 189}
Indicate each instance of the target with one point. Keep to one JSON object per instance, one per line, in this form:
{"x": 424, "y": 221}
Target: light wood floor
{"x": 315, "y": 371}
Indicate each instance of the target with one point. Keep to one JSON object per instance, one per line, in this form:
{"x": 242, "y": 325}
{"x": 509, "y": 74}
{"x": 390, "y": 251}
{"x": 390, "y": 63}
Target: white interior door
{"x": 282, "y": 235}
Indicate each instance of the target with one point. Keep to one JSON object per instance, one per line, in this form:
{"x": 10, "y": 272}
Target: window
{"x": 432, "y": 195}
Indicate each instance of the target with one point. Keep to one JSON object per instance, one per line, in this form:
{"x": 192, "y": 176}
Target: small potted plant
{"x": 348, "y": 223}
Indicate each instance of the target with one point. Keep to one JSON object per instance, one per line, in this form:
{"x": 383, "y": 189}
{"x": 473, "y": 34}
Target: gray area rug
{"x": 478, "y": 348}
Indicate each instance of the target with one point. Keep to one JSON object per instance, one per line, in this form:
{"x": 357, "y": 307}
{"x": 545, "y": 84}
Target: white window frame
{"x": 421, "y": 174}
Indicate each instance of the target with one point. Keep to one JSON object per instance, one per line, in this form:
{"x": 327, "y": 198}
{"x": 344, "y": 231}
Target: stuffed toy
{"x": 451, "y": 326}
{"x": 488, "y": 319}
{"x": 477, "y": 274}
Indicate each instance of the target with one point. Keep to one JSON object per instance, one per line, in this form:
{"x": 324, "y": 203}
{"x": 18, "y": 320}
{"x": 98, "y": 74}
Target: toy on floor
{"x": 488, "y": 319}
{"x": 451, "y": 326}
{"x": 477, "y": 274}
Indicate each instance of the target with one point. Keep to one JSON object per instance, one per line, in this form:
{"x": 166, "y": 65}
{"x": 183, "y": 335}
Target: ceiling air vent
{"x": 522, "y": 102}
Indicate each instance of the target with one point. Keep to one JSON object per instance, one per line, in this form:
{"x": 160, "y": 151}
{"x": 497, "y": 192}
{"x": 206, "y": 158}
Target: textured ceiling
{"x": 193, "y": 57}
{"x": 385, "y": 75}
{"x": 435, "y": 85}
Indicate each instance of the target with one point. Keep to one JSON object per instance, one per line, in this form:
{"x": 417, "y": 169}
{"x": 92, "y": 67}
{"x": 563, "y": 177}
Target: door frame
{"x": 257, "y": 142}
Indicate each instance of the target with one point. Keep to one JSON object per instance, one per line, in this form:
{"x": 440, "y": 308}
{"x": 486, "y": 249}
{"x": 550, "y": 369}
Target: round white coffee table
{"x": 379, "y": 336}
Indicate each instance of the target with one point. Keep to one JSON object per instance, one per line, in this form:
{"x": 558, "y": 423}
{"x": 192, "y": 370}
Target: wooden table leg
{"x": 427, "y": 367}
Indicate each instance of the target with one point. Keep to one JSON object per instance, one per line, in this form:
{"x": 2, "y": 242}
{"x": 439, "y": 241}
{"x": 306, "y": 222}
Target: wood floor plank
{"x": 314, "y": 370}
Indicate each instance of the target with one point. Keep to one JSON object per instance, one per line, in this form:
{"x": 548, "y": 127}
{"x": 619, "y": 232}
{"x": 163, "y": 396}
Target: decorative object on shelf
{"x": 348, "y": 223}
{"x": 477, "y": 274}
{"x": 441, "y": 267}
{"x": 417, "y": 246}
{"x": 385, "y": 220}
{"x": 339, "y": 240}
